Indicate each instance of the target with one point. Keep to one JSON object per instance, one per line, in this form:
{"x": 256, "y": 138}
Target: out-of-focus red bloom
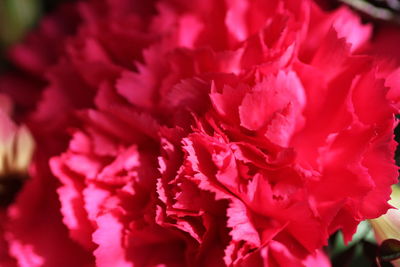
{"x": 209, "y": 133}
{"x": 37, "y": 206}
{"x": 35, "y": 56}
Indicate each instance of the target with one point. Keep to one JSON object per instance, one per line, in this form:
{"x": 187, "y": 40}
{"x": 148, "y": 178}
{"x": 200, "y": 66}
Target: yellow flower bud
{"x": 16, "y": 150}
{"x": 388, "y": 226}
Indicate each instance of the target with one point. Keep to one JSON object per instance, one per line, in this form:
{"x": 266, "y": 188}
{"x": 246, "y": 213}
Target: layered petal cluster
{"x": 208, "y": 133}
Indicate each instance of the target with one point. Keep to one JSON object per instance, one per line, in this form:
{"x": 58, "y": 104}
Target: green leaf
{"x": 16, "y": 17}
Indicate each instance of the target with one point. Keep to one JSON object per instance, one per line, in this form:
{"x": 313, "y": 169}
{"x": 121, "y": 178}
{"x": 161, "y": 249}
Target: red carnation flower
{"x": 209, "y": 133}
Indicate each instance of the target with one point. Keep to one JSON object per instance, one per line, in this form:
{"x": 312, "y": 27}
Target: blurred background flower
{"x": 387, "y": 230}
{"x": 16, "y": 151}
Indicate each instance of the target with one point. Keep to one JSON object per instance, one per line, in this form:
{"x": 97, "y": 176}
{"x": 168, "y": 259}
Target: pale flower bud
{"x": 16, "y": 150}
{"x": 388, "y": 226}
